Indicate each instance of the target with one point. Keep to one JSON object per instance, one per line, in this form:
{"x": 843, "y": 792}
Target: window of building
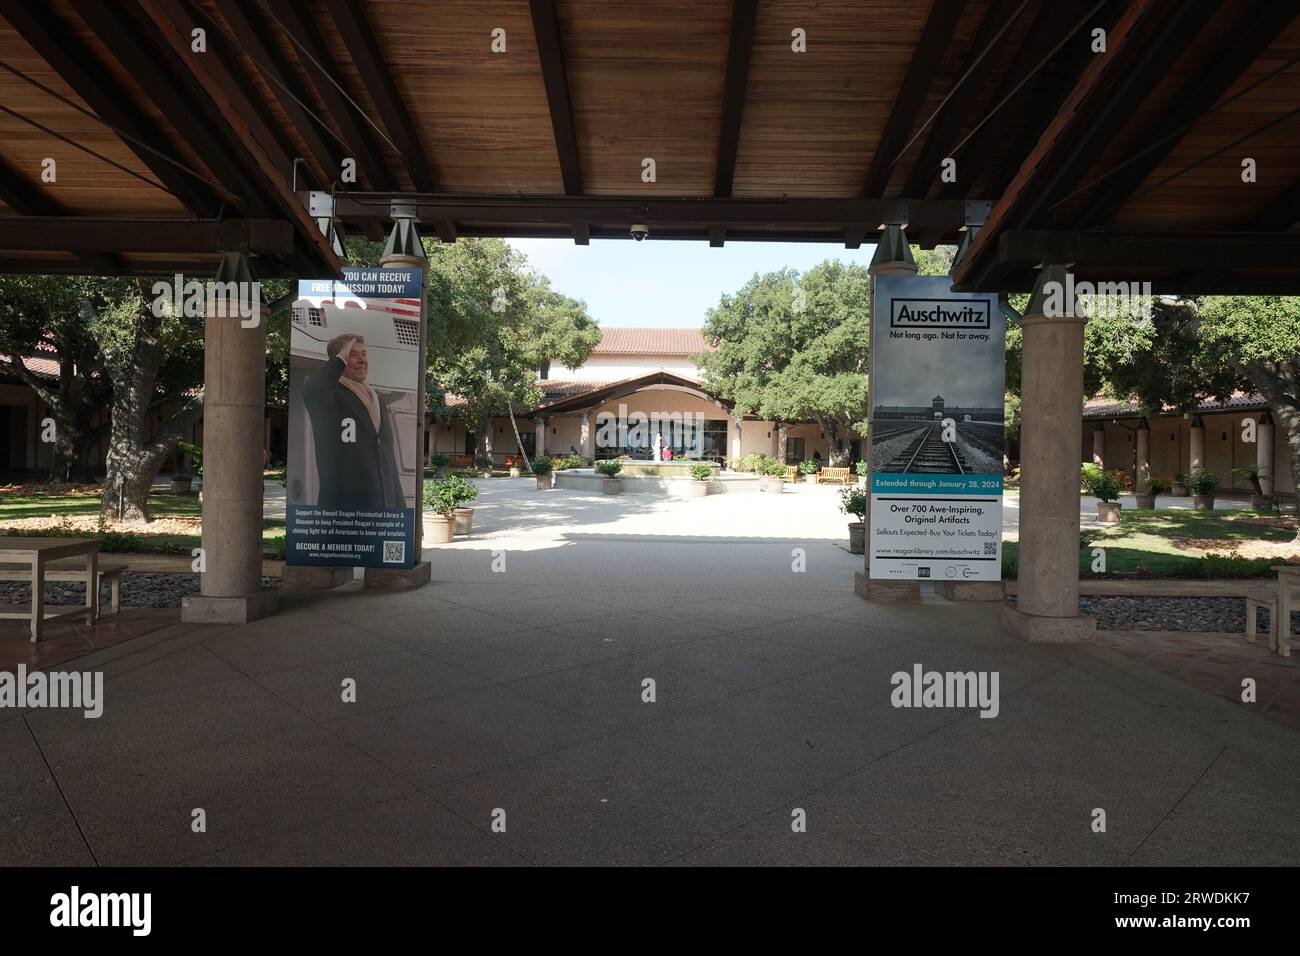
{"x": 793, "y": 451}
{"x": 713, "y": 446}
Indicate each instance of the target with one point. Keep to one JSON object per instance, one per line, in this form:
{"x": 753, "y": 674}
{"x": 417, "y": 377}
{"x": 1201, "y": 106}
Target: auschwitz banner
{"x": 937, "y": 384}
{"x": 355, "y": 422}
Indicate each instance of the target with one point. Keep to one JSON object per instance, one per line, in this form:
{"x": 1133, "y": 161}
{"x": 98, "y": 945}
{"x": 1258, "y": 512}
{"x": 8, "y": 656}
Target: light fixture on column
{"x": 892, "y": 247}
{"x": 320, "y": 206}
{"x": 404, "y": 237}
{"x": 976, "y": 213}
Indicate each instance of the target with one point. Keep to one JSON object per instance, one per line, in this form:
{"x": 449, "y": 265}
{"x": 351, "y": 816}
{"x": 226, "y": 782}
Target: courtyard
{"x": 500, "y": 716}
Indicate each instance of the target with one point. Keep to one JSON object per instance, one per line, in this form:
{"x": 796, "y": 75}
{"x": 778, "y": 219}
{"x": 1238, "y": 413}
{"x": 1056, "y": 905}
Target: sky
{"x": 668, "y": 284}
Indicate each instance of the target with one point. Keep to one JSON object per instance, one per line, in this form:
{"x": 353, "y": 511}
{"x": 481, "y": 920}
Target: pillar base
{"x": 890, "y": 592}
{"x": 204, "y": 609}
{"x": 1037, "y": 629}
{"x": 399, "y": 579}
{"x": 969, "y": 590}
{"x": 298, "y": 577}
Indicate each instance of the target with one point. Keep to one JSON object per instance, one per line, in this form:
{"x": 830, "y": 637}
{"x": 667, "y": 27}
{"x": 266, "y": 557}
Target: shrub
{"x": 1252, "y": 473}
{"x": 809, "y": 466}
{"x": 701, "y": 472}
{"x": 1102, "y": 485}
{"x": 1156, "y": 486}
{"x": 1203, "y": 482}
{"x": 571, "y": 461}
{"x": 483, "y": 461}
{"x": 863, "y": 469}
{"x": 609, "y": 468}
{"x": 196, "y": 457}
{"x": 751, "y": 462}
{"x": 447, "y": 494}
{"x": 774, "y": 468}
{"x": 440, "y": 459}
{"x": 853, "y": 501}
{"x": 1088, "y": 470}
{"x": 541, "y": 466}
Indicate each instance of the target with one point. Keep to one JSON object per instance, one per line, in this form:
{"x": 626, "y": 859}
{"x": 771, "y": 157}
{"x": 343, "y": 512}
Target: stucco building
{"x": 635, "y": 374}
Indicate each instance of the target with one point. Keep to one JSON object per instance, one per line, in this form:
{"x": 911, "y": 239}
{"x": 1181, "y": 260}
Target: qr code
{"x": 990, "y": 547}
{"x": 394, "y": 552}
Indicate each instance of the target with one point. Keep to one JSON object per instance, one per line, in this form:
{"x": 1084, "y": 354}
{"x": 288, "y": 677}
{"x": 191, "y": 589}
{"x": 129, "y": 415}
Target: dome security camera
{"x": 638, "y": 231}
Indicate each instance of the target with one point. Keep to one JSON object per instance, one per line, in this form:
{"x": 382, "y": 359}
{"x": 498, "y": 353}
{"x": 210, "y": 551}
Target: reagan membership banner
{"x": 354, "y": 420}
{"x": 937, "y": 387}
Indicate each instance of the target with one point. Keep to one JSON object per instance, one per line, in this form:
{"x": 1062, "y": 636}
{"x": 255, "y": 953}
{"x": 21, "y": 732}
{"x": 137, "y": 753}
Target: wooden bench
{"x": 71, "y": 571}
{"x": 792, "y": 472}
{"x": 827, "y": 475}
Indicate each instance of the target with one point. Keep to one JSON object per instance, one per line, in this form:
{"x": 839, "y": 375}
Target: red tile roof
{"x": 632, "y": 341}
{"x": 40, "y": 367}
{"x": 1101, "y": 407}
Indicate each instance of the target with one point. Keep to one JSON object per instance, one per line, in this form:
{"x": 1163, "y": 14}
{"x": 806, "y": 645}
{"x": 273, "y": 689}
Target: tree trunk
{"x": 837, "y": 455}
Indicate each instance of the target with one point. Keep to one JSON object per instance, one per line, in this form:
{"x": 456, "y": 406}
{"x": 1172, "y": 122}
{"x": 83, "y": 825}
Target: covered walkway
{"x": 522, "y": 691}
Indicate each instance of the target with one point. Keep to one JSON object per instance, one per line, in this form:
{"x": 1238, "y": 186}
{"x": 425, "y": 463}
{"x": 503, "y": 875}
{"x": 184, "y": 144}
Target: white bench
{"x": 71, "y": 571}
{"x": 1279, "y": 612}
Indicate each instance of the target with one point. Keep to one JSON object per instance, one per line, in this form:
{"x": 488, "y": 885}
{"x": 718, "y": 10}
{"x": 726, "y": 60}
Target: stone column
{"x": 1143, "y": 461}
{"x": 1099, "y": 445}
{"x": 1196, "y": 439}
{"x": 587, "y": 443}
{"x": 1264, "y": 452}
{"x": 1051, "y": 434}
{"x": 234, "y": 405}
{"x": 735, "y": 442}
{"x": 539, "y": 429}
{"x": 892, "y": 257}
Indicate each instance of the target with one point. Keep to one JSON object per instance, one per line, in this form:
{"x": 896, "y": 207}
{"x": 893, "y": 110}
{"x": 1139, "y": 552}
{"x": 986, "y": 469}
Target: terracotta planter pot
{"x": 857, "y": 537}
{"x": 1145, "y": 502}
{"x": 1108, "y": 511}
{"x": 1203, "y": 502}
{"x": 1261, "y": 502}
{"x": 771, "y": 485}
{"x": 181, "y": 486}
{"x": 1178, "y": 491}
{"x": 611, "y": 486}
{"x": 514, "y": 472}
{"x": 545, "y": 482}
{"x": 698, "y": 489}
{"x": 464, "y": 520}
{"x": 862, "y": 481}
{"x": 440, "y": 529}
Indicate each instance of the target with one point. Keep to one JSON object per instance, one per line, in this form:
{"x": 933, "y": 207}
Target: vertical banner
{"x": 355, "y": 421}
{"x": 938, "y": 380}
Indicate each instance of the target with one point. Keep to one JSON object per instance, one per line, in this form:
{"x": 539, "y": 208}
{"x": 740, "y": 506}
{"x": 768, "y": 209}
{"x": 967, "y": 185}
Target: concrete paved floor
{"x": 521, "y": 692}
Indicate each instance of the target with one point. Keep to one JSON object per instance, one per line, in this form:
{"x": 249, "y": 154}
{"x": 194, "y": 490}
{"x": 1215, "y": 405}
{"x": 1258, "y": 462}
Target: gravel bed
{"x": 1172, "y": 613}
{"x": 139, "y": 589}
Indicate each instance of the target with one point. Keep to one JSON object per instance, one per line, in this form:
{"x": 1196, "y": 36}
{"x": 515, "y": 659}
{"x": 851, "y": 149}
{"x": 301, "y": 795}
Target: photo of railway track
{"x": 917, "y": 447}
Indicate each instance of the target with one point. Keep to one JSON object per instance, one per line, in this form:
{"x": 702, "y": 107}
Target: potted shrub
{"x": 543, "y": 473}
{"x": 1179, "y": 487}
{"x": 440, "y": 460}
{"x": 752, "y": 462}
{"x": 442, "y": 497}
{"x": 699, "y": 483}
{"x": 773, "y": 475}
{"x": 484, "y": 463}
{"x": 1258, "y": 500}
{"x": 853, "y": 501}
{"x": 809, "y": 467}
{"x": 182, "y": 483}
{"x": 1204, "y": 483}
{"x": 464, "y": 492}
{"x": 1146, "y": 497}
{"x": 864, "y": 472}
{"x": 1105, "y": 486}
{"x": 610, "y": 483}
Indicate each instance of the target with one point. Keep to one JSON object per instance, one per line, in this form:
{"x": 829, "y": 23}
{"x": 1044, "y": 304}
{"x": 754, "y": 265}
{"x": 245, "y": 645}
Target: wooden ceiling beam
{"x": 935, "y": 37}
{"x": 550, "y": 51}
{"x": 740, "y": 46}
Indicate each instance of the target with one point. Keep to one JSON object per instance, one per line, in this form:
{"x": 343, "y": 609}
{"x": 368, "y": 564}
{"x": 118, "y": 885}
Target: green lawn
{"x": 136, "y": 541}
{"x": 1173, "y": 544}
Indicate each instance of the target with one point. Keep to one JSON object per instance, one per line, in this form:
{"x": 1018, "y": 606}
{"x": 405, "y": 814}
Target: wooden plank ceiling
{"x": 549, "y": 136}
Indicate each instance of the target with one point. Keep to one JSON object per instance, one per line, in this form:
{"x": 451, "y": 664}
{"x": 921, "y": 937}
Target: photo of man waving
{"x": 353, "y": 432}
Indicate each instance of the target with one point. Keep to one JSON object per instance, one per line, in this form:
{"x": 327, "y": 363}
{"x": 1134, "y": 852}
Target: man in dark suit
{"x": 360, "y": 474}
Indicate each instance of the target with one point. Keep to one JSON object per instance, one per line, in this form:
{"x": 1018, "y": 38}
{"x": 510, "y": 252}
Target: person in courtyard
{"x": 360, "y": 473}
